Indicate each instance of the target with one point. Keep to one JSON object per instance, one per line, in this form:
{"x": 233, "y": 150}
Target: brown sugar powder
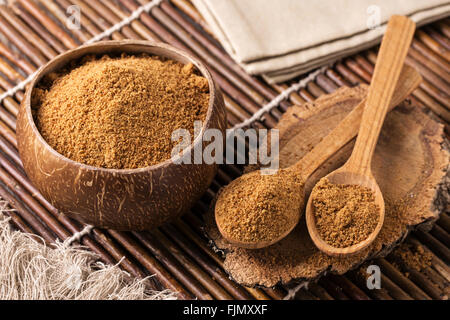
{"x": 414, "y": 256}
{"x": 345, "y": 214}
{"x": 119, "y": 112}
{"x": 258, "y": 206}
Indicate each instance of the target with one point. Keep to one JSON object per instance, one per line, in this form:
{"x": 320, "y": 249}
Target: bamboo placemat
{"x": 33, "y": 32}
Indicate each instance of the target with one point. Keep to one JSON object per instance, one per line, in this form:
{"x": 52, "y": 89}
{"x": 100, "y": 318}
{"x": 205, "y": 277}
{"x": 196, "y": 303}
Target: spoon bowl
{"x": 342, "y": 177}
{"x": 289, "y": 191}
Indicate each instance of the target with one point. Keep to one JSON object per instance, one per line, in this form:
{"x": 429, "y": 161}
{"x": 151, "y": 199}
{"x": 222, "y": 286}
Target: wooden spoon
{"x": 357, "y": 169}
{"x": 345, "y": 131}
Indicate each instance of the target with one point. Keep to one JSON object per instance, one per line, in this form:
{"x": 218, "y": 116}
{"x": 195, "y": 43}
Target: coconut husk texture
{"x": 410, "y": 164}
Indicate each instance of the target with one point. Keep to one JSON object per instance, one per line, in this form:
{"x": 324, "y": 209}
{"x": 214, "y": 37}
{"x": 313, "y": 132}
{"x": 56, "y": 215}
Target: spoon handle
{"x": 392, "y": 54}
{"x": 347, "y": 129}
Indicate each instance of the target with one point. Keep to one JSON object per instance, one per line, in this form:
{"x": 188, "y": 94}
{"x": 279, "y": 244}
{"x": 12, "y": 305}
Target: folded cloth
{"x": 285, "y": 38}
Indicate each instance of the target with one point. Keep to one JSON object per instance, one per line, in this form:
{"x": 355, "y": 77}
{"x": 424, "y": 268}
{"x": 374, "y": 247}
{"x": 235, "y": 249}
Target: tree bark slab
{"x": 410, "y": 164}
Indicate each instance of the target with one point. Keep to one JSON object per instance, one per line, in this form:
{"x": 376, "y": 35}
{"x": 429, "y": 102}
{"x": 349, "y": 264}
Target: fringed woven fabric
{"x": 29, "y": 269}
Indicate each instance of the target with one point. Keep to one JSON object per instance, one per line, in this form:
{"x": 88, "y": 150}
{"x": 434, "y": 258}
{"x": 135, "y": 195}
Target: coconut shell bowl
{"x": 122, "y": 199}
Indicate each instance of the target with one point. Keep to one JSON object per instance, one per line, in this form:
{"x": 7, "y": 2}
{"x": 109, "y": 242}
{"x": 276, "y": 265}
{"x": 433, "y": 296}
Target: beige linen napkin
{"x": 284, "y": 38}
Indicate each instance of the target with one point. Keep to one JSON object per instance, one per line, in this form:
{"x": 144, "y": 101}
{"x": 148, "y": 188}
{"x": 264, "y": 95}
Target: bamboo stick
{"x": 356, "y": 68}
{"x": 5, "y": 84}
{"x": 337, "y": 78}
{"x": 39, "y": 14}
{"x": 421, "y": 95}
{"x": 372, "y": 56}
{"x": 431, "y": 55}
{"x": 10, "y": 72}
{"x": 17, "y": 222}
{"x": 25, "y": 47}
{"x": 113, "y": 19}
{"x": 443, "y": 41}
{"x": 440, "y": 96}
{"x": 420, "y": 279}
{"x": 136, "y": 25}
{"x": 100, "y": 22}
{"x": 294, "y": 97}
{"x": 187, "y": 8}
{"x": 403, "y": 282}
{"x": 434, "y": 244}
{"x": 153, "y": 244}
{"x": 5, "y": 116}
{"x": 315, "y": 90}
{"x": 306, "y": 95}
{"x": 438, "y": 84}
{"x": 79, "y": 33}
{"x": 425, "y": 284}
{"x": 8, "y": 134}
{"x": 8, "y": 118}
{"x": 352, "y": 78}
{"x": 433, "y": 44}
{"x": 432, "y": 104}
{"x": 333, "y": 289}
{"x": 379, "y": 294}
{"x": 89, "y": 26}
{"x": 278, "y": 292}
{"x": 205, "y": 263}
{"x": 441, "y": 267}
{"x": 154, "y": 267}
{"x": 9, "y": 150}
{"x": 240, "y": 113}
{"x": 27, "y": 32}
{"x": 11, "y": 109}
{"x": 192, "y": 267}
{"x": 319, "y": 291}
{"x": 32, "y": 204}
{"x": 363, "y": 62}
{"x": 12, "y": 106}
{"x": 327, "y": 84}
{"x": 428, "y": 64}
{"x": 15, "y": 59}
{"x": 443, "y": 28}
{"x": 444, "y": 222}
{"x": 201, "y": 243}
{"x": 394, "y": 290}
{"x": 303, "y": 294}
{"x": 28, "y": 216}
{"x": 441, "y": 235}
{"x": 117, "y": 253}
{"x": 437, "y": 279}
{"x": 349, "y": 288}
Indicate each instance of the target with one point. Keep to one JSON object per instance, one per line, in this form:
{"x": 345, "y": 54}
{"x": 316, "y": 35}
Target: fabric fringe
{"x": 29, "y": 269}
